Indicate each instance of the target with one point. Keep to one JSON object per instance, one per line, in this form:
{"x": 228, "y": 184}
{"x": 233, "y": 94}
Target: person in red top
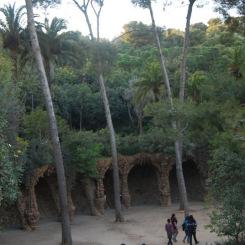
{"x": 175, "y": 228}
{"x": 169, "y": 230}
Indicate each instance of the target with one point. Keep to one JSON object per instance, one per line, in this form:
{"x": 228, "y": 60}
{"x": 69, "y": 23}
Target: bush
{"x": 82, "y": 150}
{"x": 227, "y": 175}
{"x": 11, "y": 168}
{"x": 229, "y": 243}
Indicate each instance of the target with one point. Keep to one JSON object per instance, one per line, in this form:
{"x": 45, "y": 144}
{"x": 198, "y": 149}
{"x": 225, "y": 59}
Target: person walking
{"x": 175, "y": 228}
{"x": 185, "y": 229}
{"x": 192, "y": 226}
{"x": 169, "y": 230}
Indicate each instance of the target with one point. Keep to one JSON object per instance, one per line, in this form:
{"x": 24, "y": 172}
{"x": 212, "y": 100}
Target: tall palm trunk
{"x": 66, "y": 230}
{"x": 116, "y": 182}
{"x": 179, "y": 170}
{"x": 84, "y": 9}
{"x": 183, "y": 69}
{"x": 184, "y": 53}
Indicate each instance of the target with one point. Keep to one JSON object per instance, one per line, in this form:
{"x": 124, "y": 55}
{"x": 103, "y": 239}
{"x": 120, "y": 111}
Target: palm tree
{"x": 51, "y": 43}
{"x": 116, "y": 183}
{"x": 177, "y": 143}
{"x": 146, "y": 89}
{"x": 183, "y": 67}
{"x": 11, "y": 30}
{"x": 149, "y": 84}
{"x": 66, "y": 229}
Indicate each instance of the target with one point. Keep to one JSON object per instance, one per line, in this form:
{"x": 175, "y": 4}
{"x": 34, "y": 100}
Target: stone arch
{"x": 193, "y": 180}
{"x": 108, "y": 188}
{"x": 27, "y": 202}
{"x": 143, "y": 159}
{"x": 83, "y": 194}
{"x": 143, "y": 184}
{"x": 161, "y": 163}
{"x": 105, "y": 166}
{"x": 102, "y": 167}
{"x": 46, "y": 191}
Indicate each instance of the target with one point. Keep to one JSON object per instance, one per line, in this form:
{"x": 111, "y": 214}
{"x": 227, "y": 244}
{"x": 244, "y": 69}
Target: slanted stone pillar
{"x": 90, "y": 192}
{"x": 71, "y": 205}
{"x": 100, "y": 195}
{"x": 126, "y": 200}
{"x": 27, "y": 204}
{"x": 33, "y": 213}
{"x": 28, "y": 211}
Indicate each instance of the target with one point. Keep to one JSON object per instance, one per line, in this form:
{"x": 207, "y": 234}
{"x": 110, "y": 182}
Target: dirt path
{"x": 143, "y": 224}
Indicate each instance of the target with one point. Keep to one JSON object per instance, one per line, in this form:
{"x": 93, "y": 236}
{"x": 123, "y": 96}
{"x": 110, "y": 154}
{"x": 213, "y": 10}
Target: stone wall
{"x": 143, "y": 185}
{"x": 159, "y": 162}
{"x": 193, "y": 180}
{"x": 145, "y": 179}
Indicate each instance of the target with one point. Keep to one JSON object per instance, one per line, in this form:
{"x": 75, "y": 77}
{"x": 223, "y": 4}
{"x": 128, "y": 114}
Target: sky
{"x": 117, "y": 13}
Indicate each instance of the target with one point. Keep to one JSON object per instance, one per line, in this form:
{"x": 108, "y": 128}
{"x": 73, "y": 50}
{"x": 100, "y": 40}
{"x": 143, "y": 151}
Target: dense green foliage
{"x": 12, "y": 156}
{"x": 11, "y": 166}
{"x": 229, "y": 219}
{"x": 212, "y": 116}
{"x": 81, "y": 152}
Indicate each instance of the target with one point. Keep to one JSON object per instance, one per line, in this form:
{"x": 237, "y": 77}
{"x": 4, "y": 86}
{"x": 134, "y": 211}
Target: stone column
{"x": 126, "y": 200}
{"x": 32, "y": 213}
{"x": 24, "y": 208}
{"x": 71, "y": 205}
{"x": 90, "y": 192}
{"x": 164, "y": 186}
{"x": 100, "y": 195}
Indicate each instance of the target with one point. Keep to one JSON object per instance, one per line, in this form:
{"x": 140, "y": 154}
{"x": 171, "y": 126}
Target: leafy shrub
{"x": 82, "y": 150}
{"x": 227, "y": 175}
{"x": 11, "y": 167}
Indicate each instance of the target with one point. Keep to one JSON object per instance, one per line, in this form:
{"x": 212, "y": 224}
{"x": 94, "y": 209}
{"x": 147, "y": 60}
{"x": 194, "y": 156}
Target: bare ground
{"x": 143, "y": 224}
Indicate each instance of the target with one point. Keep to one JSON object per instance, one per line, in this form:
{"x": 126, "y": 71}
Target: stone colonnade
{"x": 161, "y": 164}
{"x": 27, "y": 202}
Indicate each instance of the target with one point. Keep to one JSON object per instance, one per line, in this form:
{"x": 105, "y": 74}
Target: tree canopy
{"x": 211, "y": 119}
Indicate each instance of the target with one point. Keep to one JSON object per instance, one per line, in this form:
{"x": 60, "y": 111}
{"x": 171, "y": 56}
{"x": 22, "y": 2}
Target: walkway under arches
{"x": 143, "y": 185}
{"x": 160, "y": 163}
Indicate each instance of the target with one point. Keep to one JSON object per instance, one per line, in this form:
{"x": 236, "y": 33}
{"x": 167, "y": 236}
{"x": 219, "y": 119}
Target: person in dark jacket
{"x": 174, "y": 223}
{"x": 169, "y": 230}
{"x": 192, "y": 226}
{"x": 185, "y": 229}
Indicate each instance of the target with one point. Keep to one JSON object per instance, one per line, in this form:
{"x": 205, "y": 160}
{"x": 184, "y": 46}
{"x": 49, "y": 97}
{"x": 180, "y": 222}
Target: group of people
{"x": 189, "y": 226}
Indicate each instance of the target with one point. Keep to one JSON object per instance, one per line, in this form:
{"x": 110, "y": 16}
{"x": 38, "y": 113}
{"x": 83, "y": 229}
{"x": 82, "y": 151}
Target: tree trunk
{"x": 89, "y": 25}
{"x": 116, "y": 182}
{"x": 98, "y": 27}
{"x": 32, "y": 102}
{"x": 184, "y": 53}
{"x": 84, "y": 8}
{"x": 51, "y": 71}
{"x": 140, "y": 124}
{"x": 66, "y": 230}
{"x": 183, "y": 71}
{"x": 180, "y": 178}
{"x": 80, "y": 119}
{"x": 179, "y": 170}
{"x": 129, "y": 114}
{"x": 71, "y": 205}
